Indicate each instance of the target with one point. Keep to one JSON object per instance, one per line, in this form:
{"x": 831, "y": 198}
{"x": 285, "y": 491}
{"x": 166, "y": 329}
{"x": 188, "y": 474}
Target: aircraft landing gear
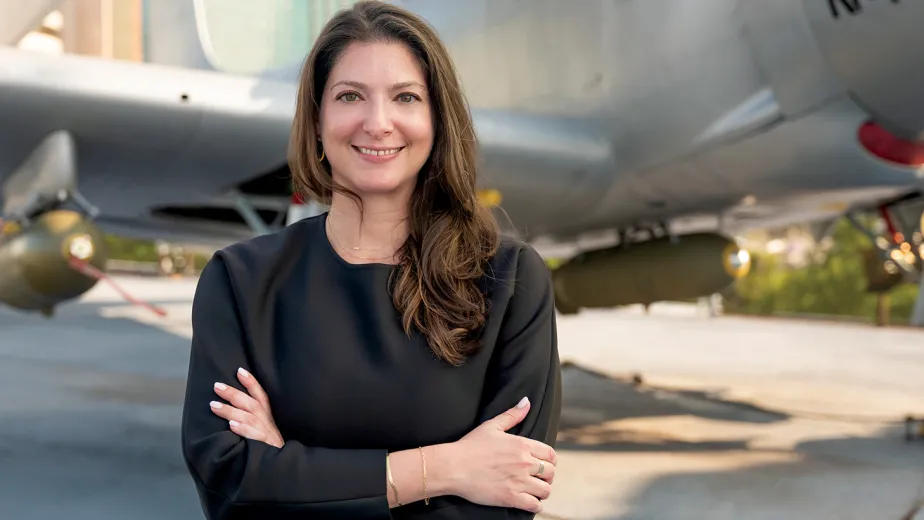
{"x": 895, "y": 255}
{"x": 914, "y": 428}
{"x": 917, "y": 312}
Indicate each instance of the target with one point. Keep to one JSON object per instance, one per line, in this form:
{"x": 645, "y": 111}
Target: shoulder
{"x": 265, "y": 252}
{"x": 517, "y": 269}
{"x": 255, "y": 261}
{"x": 516, "y": 256}
{"x": 522, "y": 293}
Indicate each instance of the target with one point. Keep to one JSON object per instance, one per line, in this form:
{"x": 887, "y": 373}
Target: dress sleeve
{"x": 526, "y": 359}
{"x": 237, "y": 478}
{"x": 525, "y": 363}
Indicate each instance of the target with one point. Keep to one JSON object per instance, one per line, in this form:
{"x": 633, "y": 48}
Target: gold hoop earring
{"x": 321, "y": 159}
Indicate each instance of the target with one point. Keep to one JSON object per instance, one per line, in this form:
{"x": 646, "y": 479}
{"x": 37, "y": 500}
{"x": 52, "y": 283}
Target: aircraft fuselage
{"x": 727, "y": 113}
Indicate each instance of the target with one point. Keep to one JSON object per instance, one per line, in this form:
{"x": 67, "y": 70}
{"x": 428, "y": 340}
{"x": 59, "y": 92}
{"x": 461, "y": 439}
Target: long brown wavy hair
{"x": 436, "y": 284}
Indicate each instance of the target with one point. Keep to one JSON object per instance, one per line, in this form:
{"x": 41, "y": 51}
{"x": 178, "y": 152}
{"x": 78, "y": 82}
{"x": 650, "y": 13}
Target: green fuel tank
{"x": 35, "y": 270}
{"x": 690, "y": 266}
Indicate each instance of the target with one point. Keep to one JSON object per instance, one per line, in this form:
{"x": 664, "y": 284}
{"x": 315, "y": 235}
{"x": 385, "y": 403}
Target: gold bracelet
{"x": 423, "y": 461}
{"x": 391, "y": 481}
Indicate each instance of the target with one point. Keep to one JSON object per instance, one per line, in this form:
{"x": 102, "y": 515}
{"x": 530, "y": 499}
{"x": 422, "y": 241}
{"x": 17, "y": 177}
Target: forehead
{"x": 377, "y": 65}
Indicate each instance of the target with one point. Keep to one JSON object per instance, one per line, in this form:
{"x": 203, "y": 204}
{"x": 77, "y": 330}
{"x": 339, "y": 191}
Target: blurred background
{"x": 728, "y": 194}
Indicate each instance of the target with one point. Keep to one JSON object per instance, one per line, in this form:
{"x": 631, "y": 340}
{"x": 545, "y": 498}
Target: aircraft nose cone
{"x": 876, "y": 48}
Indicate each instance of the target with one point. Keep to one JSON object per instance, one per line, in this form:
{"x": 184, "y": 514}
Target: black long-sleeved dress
{"x": 346, "y": 384}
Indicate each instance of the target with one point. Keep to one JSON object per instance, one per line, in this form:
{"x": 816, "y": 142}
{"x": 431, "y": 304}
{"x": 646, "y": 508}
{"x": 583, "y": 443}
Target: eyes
{"x": 352, "y": 97}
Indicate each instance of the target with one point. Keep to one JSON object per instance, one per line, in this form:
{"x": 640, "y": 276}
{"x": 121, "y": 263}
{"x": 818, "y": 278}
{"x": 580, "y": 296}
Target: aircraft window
{"x": 248, "y": 37}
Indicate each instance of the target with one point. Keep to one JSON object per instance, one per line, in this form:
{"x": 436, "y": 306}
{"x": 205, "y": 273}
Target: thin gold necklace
{"x": 338, "y": 245}
{"x": 355, "y": 248}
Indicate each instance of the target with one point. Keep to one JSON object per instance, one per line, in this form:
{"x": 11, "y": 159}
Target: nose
{"x": 378, "y": 123}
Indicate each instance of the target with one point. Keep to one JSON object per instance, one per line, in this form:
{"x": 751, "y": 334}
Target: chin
{"x": 380, "y": 181}
{"x": 381, "y": 185}
{"x": 366, "y": 190}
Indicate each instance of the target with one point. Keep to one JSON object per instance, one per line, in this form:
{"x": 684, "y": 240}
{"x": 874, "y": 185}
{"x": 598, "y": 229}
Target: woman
{"x": 393, "y": 357}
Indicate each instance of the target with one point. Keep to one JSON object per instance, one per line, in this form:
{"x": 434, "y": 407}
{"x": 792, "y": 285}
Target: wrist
{"x": 442, "y": 470}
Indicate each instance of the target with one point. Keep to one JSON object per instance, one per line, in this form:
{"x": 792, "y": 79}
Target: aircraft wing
{"x": 144, "y": 135}
{"x": 150, "y": 106}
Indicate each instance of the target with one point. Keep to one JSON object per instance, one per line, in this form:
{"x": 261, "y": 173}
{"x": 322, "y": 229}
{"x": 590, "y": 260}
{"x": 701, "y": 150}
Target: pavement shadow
{"x": 878, "y": 476}
{"x": 855, "y": 478}
{"x": 95, "y": 419}
{"x": 592, "y": 401}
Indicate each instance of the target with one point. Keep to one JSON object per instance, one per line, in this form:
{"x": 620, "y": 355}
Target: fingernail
{"x": 221, "y": 386}
{"x": 243, "y": 372}
{"x": 234, "y": 424}
{"x": 215, "y": 404}
{"x": 523, "y": 402}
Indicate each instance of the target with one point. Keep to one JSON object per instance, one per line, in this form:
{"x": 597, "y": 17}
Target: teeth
{"x": 379, "y": 152}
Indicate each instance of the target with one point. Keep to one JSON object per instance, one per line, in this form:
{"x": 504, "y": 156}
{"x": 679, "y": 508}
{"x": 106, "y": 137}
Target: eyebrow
{"x": 363, "y": 86}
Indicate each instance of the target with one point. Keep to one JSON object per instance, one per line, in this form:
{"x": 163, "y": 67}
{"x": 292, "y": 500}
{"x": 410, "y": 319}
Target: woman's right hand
{"x": 495, "y": 468}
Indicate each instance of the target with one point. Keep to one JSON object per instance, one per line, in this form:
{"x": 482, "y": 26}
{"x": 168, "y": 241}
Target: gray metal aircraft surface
{"x": 667, "y": 122}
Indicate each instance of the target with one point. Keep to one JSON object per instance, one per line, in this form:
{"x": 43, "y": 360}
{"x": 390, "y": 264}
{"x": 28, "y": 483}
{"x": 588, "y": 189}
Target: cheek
{"x": 339, "y": 125}
{"x": 337, "y": 132}
{"x": 419, "y": 130}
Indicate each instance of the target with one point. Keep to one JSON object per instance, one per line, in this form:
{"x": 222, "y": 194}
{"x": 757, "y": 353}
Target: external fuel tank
{"x": 664, "y": 269}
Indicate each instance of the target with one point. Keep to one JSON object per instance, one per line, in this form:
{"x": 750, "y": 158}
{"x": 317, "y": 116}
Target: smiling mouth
{"x": 378, "y": 153}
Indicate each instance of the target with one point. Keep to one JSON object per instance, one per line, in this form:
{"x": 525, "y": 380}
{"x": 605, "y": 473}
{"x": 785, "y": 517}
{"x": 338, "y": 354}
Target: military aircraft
{"x": 638, "y": 134}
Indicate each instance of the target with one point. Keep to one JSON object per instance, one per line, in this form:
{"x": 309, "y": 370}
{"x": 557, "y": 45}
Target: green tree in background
{"x": 834, "y": 283}
{"x": 137, "y": 250}
{"x": 121, "y": 248}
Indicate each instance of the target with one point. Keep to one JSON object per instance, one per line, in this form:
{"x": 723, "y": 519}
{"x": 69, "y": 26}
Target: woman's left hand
{"x": 250, "y": 416}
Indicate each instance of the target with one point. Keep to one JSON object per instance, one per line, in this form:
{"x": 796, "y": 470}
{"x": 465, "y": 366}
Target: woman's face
{"x": 376, "y": 126}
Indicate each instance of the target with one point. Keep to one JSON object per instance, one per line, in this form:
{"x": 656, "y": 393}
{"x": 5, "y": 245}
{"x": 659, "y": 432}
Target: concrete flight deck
{"x": 735, "y": 418}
